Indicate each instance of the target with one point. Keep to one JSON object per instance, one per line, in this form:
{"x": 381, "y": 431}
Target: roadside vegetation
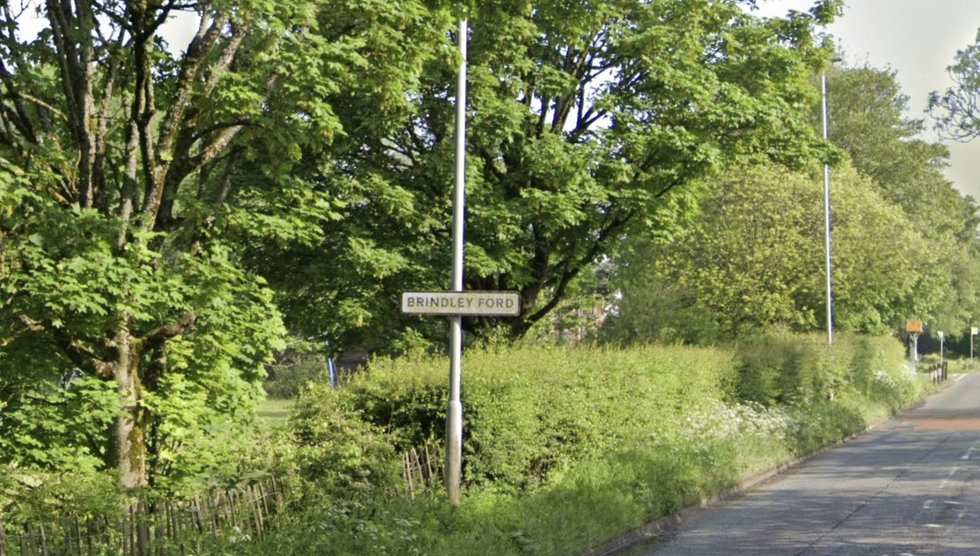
{"x": 565, "y": 448}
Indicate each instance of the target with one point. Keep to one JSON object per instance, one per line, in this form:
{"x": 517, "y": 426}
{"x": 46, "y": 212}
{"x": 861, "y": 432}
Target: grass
{"x": 274, "y": 410}
{"x": 963, "y": 366}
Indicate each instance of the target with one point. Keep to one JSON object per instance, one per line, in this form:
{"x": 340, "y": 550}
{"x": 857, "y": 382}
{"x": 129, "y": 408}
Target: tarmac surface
{"x": 910, "y": 487}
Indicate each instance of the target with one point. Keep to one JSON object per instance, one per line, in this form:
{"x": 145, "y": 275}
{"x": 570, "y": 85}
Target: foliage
{"x": 139, "y": 179}
{"x": 69, "y": 292}
{"x": 956, "y": 109}
{"x": 295, "y": 370}
{"x": 72, "y": 490}
{"x": 337, "y": 449}
{"x": 652, "y": 468}
{"x": 904, "y": 241}
{"x": 341, "y": 282}
{"x": 47, "y": 424}
{"x": 752, "y": 261}
{"x": 532, "y": 414}
{"x": 586, "y": 120}
{"x": 791, "y": 370}
{"x": 868, "y": 115}
{"x": 699, "y": 438}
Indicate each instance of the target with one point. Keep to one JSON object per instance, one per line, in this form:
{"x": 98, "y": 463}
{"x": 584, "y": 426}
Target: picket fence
{"x": 421, "y": 468}
{"x": 147, "y": 528}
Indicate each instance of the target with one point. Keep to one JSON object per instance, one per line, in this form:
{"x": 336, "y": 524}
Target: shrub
{"x": 293, "y": 372}
{"x": 566, "y": 449}
{"x": 532, "y": 412}
{"x": 792, "y": 369}
{"x": 337, "y": 449}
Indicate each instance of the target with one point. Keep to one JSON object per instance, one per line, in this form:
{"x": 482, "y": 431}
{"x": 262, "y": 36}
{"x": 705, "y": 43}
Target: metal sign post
{"x": 973, "y": 332}
{"x": 454, "y": 413}
{"x": 914, "y": 328}
{"x": 942, "y": 345}
{"x": 827, "y": 222}
{"x": 455, "y": 304}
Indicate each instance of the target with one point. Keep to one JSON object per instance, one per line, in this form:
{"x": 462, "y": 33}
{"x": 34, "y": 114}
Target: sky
{"x": 919, "y": 40}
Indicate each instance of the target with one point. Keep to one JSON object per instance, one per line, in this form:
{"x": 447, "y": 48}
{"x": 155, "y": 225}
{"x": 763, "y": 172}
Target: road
{"x": 910, "y": 487}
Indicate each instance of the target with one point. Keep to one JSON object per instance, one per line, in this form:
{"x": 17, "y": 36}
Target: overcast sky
{"x": 918, "y": 39}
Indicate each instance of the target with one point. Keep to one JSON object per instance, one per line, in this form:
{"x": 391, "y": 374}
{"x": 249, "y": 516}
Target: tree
{"x": 587, "y": 121}
{"x": 132, "y": 178}
{"x": 754, "y": 259}
{"x": 868, "y": 114}
{"x": 957, "y": 109}
{"x": 904, "y": 239}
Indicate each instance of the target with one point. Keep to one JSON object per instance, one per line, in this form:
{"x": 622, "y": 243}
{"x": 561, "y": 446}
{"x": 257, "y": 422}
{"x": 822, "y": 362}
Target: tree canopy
{"x": 587, "y": 121}
{"x": 904, "y": 241}
{"x": 132, "y": 179}
{"x": 167, "y": 215}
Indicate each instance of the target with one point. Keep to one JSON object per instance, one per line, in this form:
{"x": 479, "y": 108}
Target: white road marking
{"x": 968, "y": 452}
{"x": 927, "y": 505}
{"x": 948, "y": 477}
{"x": 959, "y": 378}
{"x": 933, "y": 526}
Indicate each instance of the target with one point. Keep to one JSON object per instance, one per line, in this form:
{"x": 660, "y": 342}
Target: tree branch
{"x": 157, "y": 337}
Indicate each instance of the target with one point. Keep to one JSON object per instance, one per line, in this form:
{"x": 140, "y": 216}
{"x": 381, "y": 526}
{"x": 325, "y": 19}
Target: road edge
{"x": 667, "y": 525}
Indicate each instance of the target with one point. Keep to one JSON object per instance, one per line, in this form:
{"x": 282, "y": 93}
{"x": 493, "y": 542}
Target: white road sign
{"x": 502, "y": 304}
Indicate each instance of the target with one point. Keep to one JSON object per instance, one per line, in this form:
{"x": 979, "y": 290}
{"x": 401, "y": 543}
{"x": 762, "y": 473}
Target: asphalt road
{"x": 910, "y": 487}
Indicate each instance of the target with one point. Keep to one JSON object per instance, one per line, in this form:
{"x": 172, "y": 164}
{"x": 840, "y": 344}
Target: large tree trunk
{"x": 127, "y": 449}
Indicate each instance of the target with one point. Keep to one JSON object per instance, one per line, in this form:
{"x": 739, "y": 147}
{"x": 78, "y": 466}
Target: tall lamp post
{"x": 826, "y": 214}
{"x": 454, "y": 417}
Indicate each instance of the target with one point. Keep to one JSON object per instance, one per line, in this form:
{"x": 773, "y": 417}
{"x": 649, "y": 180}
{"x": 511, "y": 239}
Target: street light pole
{"x": 454, "y": 413}
{"x": 826, "y": 211}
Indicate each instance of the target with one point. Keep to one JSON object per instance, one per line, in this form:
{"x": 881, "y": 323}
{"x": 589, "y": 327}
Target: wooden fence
{"x": 148, "y": 528}
{"x": 179, "y": 527}
{"x": 421, "y": 468}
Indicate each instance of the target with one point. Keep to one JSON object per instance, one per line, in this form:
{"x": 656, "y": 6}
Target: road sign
{"x": 501, "y": 304}
{"x": 974, "y": 330}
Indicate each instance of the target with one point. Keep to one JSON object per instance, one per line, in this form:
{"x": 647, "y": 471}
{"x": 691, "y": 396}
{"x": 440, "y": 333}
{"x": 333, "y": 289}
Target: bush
{"x": 295, "y": 371}
{"x": 336, "y": 449}
{"x": 792, "y": 369}
{"x": 566, "y": 449}
{"x": 532, "y": 412}
{"x": 75, "y": 492}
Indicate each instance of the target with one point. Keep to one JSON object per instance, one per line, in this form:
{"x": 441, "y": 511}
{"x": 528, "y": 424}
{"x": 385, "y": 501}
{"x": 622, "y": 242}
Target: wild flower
{"x": 717, "y": 421}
